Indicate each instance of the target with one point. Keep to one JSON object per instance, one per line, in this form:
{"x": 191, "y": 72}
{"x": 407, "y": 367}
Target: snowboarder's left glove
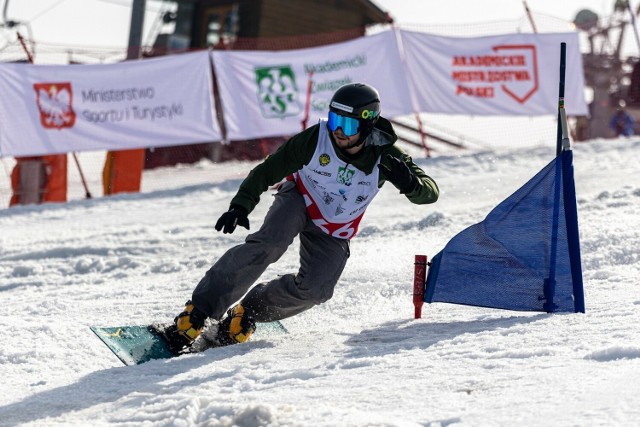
{"x": 399, "y": 174}
{"x": 236, "y": 215}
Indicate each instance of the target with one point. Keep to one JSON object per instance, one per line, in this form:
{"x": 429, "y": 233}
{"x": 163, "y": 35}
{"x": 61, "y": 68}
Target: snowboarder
{"x": 333, "y": 171}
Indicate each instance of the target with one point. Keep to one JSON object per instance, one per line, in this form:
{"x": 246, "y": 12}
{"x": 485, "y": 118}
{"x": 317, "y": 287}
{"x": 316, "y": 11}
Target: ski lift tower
{"x": 606, "y": 73}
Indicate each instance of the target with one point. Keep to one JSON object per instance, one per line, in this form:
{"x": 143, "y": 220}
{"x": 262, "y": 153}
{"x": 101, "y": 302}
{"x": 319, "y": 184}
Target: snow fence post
{"x": 419, "y": 277}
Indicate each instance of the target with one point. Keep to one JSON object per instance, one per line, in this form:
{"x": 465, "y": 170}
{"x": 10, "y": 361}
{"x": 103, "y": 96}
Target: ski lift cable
{"x": 45, "y": 11}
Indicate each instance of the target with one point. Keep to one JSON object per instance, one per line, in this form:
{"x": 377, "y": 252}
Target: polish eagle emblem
{"x": 55, "y": 103}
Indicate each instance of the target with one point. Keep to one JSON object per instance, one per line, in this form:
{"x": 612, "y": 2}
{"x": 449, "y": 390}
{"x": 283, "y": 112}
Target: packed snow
{"x": 359, "y": 359}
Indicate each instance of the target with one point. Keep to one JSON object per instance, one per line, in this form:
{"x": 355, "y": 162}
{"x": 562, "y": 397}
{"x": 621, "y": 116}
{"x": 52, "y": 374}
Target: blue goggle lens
{"x": 349, "y": 125}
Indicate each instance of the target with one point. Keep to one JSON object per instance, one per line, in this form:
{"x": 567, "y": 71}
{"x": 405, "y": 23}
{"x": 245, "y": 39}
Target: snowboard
{"x": 134, "y": 345}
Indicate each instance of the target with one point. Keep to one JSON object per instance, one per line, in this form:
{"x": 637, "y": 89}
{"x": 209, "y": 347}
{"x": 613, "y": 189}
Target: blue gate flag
{"x": 524, "y": 256}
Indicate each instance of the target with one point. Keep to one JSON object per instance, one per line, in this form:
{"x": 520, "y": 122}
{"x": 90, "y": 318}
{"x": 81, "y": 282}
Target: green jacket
{"x": 299, "y": 149}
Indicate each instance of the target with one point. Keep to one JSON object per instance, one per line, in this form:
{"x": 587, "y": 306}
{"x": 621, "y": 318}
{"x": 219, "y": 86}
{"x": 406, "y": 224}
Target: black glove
{"x": 236, "y": 215}
{"x": 399, "y": 174}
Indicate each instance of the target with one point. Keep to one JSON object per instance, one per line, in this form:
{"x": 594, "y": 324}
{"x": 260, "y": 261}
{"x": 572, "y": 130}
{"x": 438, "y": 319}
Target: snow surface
{"x": 358, "y": 360}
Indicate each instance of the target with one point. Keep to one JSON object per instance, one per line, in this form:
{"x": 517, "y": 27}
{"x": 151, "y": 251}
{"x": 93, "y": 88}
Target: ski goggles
{"x": 349, "y": 125}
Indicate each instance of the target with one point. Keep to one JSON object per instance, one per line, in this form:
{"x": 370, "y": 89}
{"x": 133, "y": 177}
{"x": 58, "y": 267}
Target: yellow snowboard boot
{"x": 187, "y": 327}
{"x": 237, "y": 327}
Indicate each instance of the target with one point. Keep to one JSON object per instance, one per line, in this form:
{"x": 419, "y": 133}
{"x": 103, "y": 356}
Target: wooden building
{"x": 204, "y": 23}
{"x": 256, "y": 25}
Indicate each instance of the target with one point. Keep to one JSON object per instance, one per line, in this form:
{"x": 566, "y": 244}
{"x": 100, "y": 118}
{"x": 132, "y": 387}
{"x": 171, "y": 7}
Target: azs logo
{"x": 345, "y": 176}
{"x": 277, "y": 91}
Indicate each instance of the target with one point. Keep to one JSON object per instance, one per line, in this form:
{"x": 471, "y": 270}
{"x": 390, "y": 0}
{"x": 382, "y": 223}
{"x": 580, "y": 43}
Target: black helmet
{"x": 360, "y": 101}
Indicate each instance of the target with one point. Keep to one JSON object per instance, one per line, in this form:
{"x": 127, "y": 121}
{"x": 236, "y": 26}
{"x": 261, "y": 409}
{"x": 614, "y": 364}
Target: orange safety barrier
{"x": 39, "y": 179}
{"x": 122, "y": 171}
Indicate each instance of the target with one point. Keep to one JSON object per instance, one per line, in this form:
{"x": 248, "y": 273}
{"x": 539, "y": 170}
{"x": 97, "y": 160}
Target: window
{"x": 221, "y": 24}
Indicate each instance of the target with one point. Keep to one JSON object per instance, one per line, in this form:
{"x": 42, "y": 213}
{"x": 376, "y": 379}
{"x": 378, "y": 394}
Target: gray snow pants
{"x": 322, "y": 260}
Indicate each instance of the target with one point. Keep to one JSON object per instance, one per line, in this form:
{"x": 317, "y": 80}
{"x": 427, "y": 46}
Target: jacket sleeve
{"x": 426, "y": 190}
{"x": 288, "y": 158}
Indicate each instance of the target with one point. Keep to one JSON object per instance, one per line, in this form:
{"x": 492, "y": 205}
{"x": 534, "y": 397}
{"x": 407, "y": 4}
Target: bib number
{"x": 341, "y": 231}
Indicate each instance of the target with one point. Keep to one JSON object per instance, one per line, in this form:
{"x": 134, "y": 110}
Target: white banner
{"x": 47, "y": 109}
{"x": 512, "y": 74}
{"x": 264, "y": 93}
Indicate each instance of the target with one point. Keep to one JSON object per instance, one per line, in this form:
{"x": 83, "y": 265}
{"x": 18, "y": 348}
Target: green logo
{"x": 277, "y": 91}
{"x": 369, "y": 114}
{"x": 345, "y": 176}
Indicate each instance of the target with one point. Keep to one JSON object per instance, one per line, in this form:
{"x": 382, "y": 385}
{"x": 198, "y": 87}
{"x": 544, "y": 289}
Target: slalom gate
{"x": 525, "y": 255}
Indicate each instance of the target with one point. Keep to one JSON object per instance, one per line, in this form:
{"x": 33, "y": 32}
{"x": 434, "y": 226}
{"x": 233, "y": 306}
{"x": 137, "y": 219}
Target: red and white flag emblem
{"x": 55, "y": 102}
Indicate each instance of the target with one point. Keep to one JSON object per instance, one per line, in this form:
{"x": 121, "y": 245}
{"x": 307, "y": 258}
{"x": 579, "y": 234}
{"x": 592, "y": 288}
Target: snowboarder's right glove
{"x": 399, "y": 174}
{"x": 236, "y": 215}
